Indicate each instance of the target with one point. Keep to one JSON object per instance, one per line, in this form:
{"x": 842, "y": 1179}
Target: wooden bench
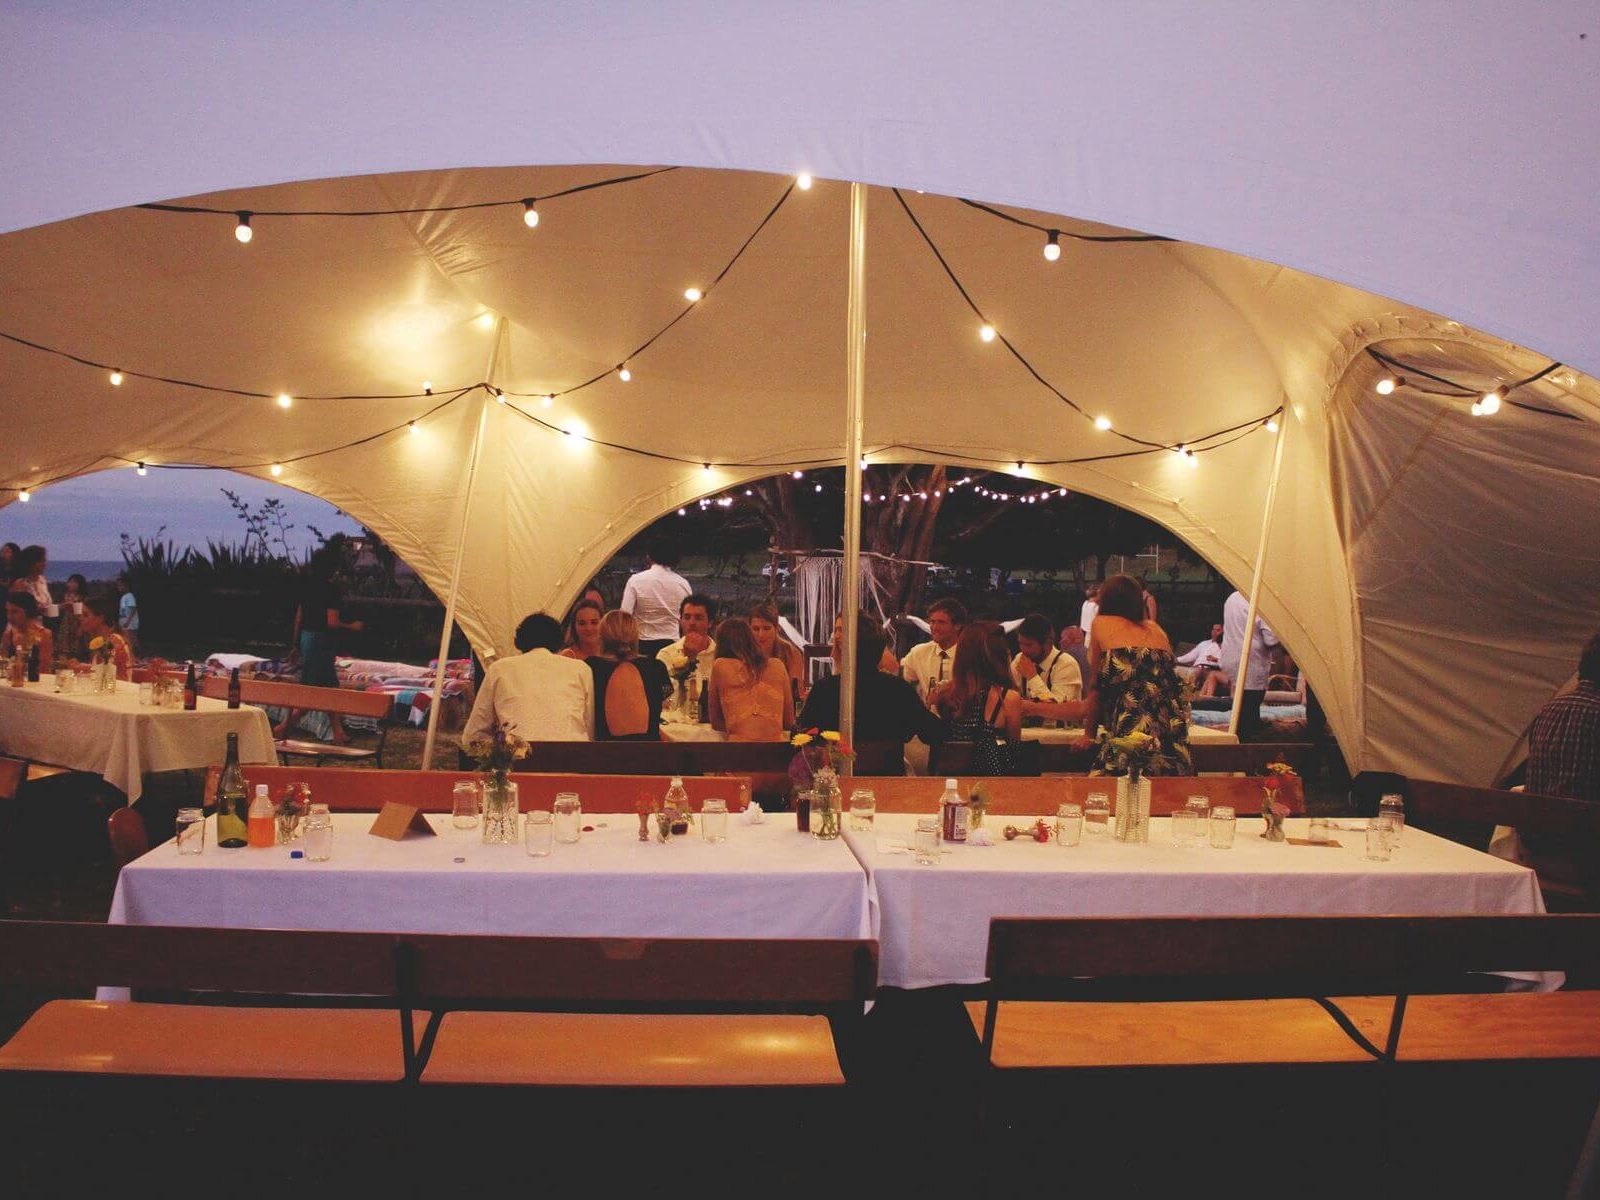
{"x": 337, "y": 702}
{"x": 784, "y": 992}
{"x": 1021, "y": 796}
{"x": 344, "y": 790}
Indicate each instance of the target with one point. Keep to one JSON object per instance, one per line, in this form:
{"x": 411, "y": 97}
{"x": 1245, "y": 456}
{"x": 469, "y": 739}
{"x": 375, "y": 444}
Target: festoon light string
{"x": 1398, "y": 374}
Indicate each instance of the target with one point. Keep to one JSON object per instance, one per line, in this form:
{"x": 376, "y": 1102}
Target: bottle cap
{"x": 297, "y": 854}
{"x": 949, "y": 785}
{"x": 261, "y": 789}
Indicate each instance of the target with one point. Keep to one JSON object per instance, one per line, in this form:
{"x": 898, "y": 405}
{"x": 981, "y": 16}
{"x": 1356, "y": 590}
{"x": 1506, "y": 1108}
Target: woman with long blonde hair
{"x": 628, "y": 689}
{"x": 768, "y": 631}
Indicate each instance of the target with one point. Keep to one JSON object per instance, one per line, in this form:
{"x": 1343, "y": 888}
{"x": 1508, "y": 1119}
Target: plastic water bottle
{"x": 677, "y": 801}
{"x": 954, "y": 812}
{"x": 261, "y": 833}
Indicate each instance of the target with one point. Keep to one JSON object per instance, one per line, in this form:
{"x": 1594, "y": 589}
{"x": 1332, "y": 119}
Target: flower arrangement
{"x": 818, "y": 749}
{"x": 681, "y": 667}
{"x": 103, "y": 647}
{"x": 494, "y": 755}
{"x": 978, "y": 803}
{"x": 1132, "y": 754}
{"x": 1273, "y": 809}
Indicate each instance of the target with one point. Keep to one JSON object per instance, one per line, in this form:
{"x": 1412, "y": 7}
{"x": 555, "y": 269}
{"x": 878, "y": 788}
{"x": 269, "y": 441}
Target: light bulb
{"x": 285, "y": 400}
{"x": 242, "y": 230}
{"x": 683, "y": 512}
{"x": 24, "y": 495}
{"x": 530, "y": 214}
{"x": 1272, "y": 424}
{"x": 1102, "y": 423}
{"x": 1192, "y": 459}
{"x": 500, "y": 396}
{"x": 277, "y": 469}
{"x": 706, "y": 467}
{"x": 1052, "y": 246}
{"x": 799, "y": 474}
{"x": 863, "y": 462}
{"x": 1476, "y": 409}
{"x": 986, "y": 332}
{"x": 547, "y": 401}
{"x": 922, "y": 495}
{"x": 1490, "y": 404}
{"x": 140, "y": 469}
{"x": 748, "y": 492}
{"x": 803, "y": 181}
{"x": 427, "y": 388}
{"x": 1020, "y": 464}
{"x": 818, "y": 487}
{"x": 116, "y": 378}
{"x": 1386, "y": 385}
{"x": 415, "y": 429}
{"x": 624, "y": 374}
{"x": 1180, "y": 449}
{"x": 692, "y": 294}
{"x": 1061, "y": 491}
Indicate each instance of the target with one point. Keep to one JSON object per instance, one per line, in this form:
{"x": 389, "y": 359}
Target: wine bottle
{"x": 33, "y": 665}
{"x": 233, "y": 811}
{"x": 191, "y": 697}
{"x": 233, "y": 689}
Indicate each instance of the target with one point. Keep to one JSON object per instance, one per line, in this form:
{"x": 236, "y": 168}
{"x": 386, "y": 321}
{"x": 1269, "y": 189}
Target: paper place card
{"x": 396, "y": 820}
{"x": 888, "y": 845}
{"x": 1309, "y": 842}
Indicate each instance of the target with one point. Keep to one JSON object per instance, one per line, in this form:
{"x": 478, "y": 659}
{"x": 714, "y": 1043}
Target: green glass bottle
{"x": 233, "y": 802}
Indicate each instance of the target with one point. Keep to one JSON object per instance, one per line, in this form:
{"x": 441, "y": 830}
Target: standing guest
{"x": 128, "y": 612}
{"x": 1040, "y": 671}
{"x": 69, "y": 641}
{"x": 927, "y": 664}
{"x": 318, "y": 617}
{"x": 31, "y": 565}
{"x": 100, "y": 621}
{"x": 887, "y": 707}
{"x": 627, "y": 688}
{"x": 1199, "y": 664}
{"x": 655, "y": 596}
{"x": 8, "y": 564}
{"x": 979, "y": 704}
{"x": 583, "y": 630}
{"x": 768, "y": 632}
{"x": 695, "y": 644}
{"x": 1564, "y": 739}
{"x": 537, "y": 694}
{"x": 24, "y": 630}
{"x": 1091, "y": 608}
{"x": 751, "y": 698}
{"x": 1073, "y": 645}
{"x": 1258, "y": 665}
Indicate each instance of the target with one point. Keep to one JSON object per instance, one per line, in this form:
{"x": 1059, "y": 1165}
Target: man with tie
{"x": 927, "y": 665}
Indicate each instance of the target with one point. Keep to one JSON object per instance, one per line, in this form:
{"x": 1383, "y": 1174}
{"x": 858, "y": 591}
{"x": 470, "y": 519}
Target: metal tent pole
{"x": 1243, "y": 671}
{"x": 855, "y": 395}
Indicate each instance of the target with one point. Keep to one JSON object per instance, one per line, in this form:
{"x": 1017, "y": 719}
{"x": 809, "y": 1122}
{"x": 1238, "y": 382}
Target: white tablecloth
{"x": 765, "y": 881}
{"x": 683, "y": 731}
{"x": 114, "y": 736}
{"x": 933, "y": 921}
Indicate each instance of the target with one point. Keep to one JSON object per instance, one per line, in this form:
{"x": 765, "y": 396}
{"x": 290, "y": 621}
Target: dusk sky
{"x": 83, "y": 519}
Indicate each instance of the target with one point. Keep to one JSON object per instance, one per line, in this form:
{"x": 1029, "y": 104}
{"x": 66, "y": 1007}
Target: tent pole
{"x": 461, "y": 549}
{"x": 1243, "y": 671}
{"x": 855, "y": 396}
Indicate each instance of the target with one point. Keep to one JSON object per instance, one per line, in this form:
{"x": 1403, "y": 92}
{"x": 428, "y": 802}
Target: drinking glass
{"x": 191, "y": 830}
{"x": 925, "y": 841}
{"x": 1200, "y": 806}
{"x": 1097, "y": 813}
{"x": 540, "y": 828}
{"x": 1393, "y": 806}
{"x": 863, "y": 809}
{"x": 147, "y": 694}
{"x": 568, "y": 817}
{"x": 319, "y": 834}
{"x": 61, "y": 679}
{"x": 1380, "y": 838}
{"x": 1317, "y": 829}
{"x": 1222, "y": 827}
{"x": 714, "y": 820}
{"x": 1069, "y": 825}
{"x": 1185, "y": 828}
{"x": 465, "y": 799}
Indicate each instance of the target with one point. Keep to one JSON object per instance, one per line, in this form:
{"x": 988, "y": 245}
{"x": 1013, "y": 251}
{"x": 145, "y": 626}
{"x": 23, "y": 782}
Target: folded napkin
{"x": 979, "y": 837}
{"x": 754, "y": 814}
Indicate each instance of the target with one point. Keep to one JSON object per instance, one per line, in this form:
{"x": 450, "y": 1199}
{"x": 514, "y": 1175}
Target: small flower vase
{"x": 1272, "y": 821}
{"x": 825, "y": 807}
{"x": 499, "y": 812}
{"x": 1133, "y": 809}
{"x": 291, "y": 814}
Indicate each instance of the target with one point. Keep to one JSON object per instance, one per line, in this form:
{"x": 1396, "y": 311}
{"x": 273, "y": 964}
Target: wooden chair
{"x": 666, "y": 989}
{"x": 1014, "y": 796}
{"x": 129, "y": 839}
{"x": 344, "y": 790}
{"x": 1561, "y": 836}
{"x": 338, "y": 702}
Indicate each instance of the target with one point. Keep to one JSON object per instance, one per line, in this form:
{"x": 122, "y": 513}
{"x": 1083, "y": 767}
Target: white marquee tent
{"x": 1434, "y": 573}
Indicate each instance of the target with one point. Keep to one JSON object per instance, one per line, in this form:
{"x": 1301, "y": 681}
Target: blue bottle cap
{"x": 297, "y": 854}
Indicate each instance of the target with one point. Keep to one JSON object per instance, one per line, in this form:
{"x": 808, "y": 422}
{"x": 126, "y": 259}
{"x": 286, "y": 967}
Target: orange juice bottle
{"x": 261, "y": 832}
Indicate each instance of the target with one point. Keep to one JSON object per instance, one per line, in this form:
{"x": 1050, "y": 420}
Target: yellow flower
{"x": 800, "y": 739}
{"x": 97, "y": 643}
{"x": 830, "y": 735}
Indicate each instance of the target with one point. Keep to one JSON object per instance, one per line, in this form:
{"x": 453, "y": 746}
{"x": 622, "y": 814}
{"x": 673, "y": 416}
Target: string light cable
{"x": 1402, "y": 374}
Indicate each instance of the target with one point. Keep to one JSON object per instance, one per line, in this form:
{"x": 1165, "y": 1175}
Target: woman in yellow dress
{"x": 751, "y": 697}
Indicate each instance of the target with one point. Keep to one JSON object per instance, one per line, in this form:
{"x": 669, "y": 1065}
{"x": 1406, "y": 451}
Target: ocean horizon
{"x": 95, "y": 570}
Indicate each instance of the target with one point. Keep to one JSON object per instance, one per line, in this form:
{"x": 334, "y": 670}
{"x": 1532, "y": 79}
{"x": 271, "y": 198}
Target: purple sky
{"x": 83, "y": 519}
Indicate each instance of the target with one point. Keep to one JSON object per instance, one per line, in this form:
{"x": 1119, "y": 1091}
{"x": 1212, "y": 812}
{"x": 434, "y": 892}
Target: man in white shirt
{"x": 537, "y": 695}
{"x": 1258, "y": 664}
{"x": 655, "y": 596}
{"x": 1090, "y": 610}
{"x": 1041, "y": 671}
{"x": 927, "y": 664}
{"x": 1199, "y": 663}
{"x": 695, "y": 616}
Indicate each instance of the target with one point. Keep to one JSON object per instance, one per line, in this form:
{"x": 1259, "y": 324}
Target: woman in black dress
{"x": 628, "y": 689}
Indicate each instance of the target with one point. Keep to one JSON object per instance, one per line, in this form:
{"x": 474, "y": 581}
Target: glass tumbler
{"x": 1069, "y": 825}
{"x": 191, "y": 830}
{"x": 714, "y": 820}
{"x": 1380, "y": 838}
{"x": 319, "y": 834}
{"x": 465, "y": 799}
{"x": 863, "y": 809}
{"x": 568, "y": 817}
{"x": 1222, "y": 827}
{"x": 539, "y": 831}
{"x": 1393, "y": 806}
{"x": 1200, "y": 806}
{"x": 1184, "y": 827}
{"x": 1097, "y": 813}
{"x": 925, "y": 841}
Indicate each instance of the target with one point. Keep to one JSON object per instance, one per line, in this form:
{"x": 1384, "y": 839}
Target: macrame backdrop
{"x": 818, "y": 592}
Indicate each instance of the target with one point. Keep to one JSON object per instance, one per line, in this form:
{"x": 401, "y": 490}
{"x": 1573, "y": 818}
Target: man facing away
{"x": 1564, "y": 740}
{"x": 655, "y": 596}
{"x": 927, "y": 664}
{"x": 1041, "y": 671}
{"x": 1257, "y": 664}
{"x": 537, "y": 695}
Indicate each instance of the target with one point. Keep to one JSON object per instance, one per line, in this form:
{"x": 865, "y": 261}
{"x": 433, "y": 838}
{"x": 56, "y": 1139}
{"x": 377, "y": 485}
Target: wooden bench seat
{"x": 337, "y": 702}
{"x": 344, "y": 1045}
{"x": 634, "y": 1050}
{"x": 1487, "y": 1028}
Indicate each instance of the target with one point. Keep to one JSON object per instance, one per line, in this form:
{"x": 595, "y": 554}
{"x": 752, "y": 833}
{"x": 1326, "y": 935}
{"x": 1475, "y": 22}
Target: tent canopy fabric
{"x": 1434, "y": 574}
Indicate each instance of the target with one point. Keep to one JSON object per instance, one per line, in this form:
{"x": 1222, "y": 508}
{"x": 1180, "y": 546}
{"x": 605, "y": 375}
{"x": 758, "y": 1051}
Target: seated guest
{"x": 927, "y": 664}
{"x": 979, "y": 704}
{"x": 887, "y": 707}
{"x": 583, "y": 630}
{"x": 771, "y": 642}
{"x": 1133, "y": 682}
{"x": 1074, "y": 646}
{"x": 695, "y": 643}
{"x": 537, "y": 694}
{"x": 628, "y": 689}
{"x": 1201, "y": 663}
{"x": 100, "y": 621}
{"x": 31, "y": 565}
{"x": 654, "y": 597}
{"x": 24, "y": 630}
{"x": 751, "y": 698}
{"x": 1564, "y": 739}
{"x": 1040, "y": 671}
